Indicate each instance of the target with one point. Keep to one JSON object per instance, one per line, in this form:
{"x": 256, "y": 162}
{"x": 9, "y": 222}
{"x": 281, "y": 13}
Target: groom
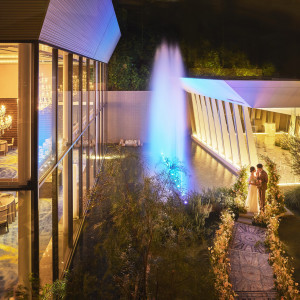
{"x": 262, "y": 178}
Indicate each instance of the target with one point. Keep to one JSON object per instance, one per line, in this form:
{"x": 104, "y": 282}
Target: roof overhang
{"x": 253, "y": 93}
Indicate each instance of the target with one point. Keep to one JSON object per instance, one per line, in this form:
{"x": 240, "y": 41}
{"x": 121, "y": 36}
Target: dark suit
{"x": 263, "y": 177}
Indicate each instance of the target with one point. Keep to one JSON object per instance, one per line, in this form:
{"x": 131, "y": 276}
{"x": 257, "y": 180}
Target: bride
{"x": 252, "y": 199}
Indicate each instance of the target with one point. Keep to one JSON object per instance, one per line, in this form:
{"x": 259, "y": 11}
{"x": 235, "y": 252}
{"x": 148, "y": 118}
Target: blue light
{"x": 167, "y": 120}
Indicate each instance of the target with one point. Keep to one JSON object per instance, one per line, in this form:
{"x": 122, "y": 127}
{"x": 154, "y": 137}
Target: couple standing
{"x": 258, "y": 181}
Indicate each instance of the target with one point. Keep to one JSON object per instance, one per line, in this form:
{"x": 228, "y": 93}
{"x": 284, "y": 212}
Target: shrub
{"x": 292, "y": 199}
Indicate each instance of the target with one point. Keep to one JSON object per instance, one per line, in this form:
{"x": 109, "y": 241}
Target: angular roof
{"x": 86, "y": 27}
{"x": 252, "y": 93}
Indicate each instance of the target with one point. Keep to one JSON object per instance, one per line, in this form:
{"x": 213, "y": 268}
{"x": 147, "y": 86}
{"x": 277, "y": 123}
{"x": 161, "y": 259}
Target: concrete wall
{"x": 127, "y": 115}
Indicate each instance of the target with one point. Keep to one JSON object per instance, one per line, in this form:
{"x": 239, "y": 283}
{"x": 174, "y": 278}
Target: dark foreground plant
{"x": 148, "y": 243}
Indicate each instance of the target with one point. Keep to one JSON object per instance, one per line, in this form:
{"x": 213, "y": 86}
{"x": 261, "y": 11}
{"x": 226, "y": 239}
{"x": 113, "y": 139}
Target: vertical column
{"x": 35, "y": 168}
{"x": 201, "y": 119}
{"x": 80, "y": 141}
{"x": 211, "y": 125}
{"x": 88, "y": 120}
{"x": 258, "y": 114}
{"x": 67, "y": 162}
{"x": 277, "y": 121}
{"x": 55, "y": 261}
{"x": 250, "y": 138}
{"x": 24, "y": 163}
{"x": 252, "y": 118}
{"x": 205, "y": 117}
{"x": 263, "y": 117}
{"x": 218, "y": 127}
{"x": 292, "y": 126}
{"x": 271, "y": 117}
{"x": 240, "y": 136}
{"x": 225, "y": 135}
{"x": 97, "y": 117}
{"x": 196, "y": 116}
{"x": 233, "y": 140}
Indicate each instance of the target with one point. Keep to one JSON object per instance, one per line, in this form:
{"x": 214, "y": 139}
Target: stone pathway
{"x": 251, "y": 275}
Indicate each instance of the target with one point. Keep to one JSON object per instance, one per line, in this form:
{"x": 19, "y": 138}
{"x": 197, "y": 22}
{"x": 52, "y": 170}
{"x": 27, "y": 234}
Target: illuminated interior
{"x": 70, "y": 150}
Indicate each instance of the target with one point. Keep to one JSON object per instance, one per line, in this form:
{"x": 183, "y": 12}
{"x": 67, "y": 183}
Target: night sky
{"x": 265, "y": 30}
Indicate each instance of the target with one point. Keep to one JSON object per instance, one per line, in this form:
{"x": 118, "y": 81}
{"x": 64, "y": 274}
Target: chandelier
{"x": 5, "y": 121}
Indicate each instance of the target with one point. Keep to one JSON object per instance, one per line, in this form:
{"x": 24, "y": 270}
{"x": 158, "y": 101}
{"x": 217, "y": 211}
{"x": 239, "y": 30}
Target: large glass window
{"x": 62, "y": 133}
{"x": 47, "y": 113}
{"x": 84, "y": 93}
{"x": 92, "y": 150}
{"x": 76, "y": 97}
{"x": 45, "y": 230}
{"x": 92, "y": 91}
{"x": 9, "y": 241}
{"x": 11, "y": 61}
{"x": 85, "y": 173}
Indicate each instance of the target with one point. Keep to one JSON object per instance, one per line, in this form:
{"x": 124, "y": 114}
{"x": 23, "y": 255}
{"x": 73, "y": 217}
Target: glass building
{"x": 53, "y": 77}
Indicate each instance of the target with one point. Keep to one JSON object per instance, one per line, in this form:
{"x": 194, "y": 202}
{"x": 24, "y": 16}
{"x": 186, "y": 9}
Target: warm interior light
{"x": 5, "y": 121}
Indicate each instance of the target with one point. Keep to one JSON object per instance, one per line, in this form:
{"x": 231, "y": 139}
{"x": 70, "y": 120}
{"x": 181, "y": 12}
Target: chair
{"x": 12, "y": 144}
{"x": 4, "y": 217}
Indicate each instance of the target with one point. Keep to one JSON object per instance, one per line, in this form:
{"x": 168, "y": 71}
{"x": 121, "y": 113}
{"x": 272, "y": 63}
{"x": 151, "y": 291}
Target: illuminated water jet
{"x": 167, "y": 120}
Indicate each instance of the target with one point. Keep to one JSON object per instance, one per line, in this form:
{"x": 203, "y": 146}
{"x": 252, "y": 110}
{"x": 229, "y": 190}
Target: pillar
{"x": 196, "y": 116}
{"x": 218, "y": 127}
{"x": 205, "y": 117}
{"x": 240, "y": 136}
{"x": 211, "y": 125}
{"x": 201, "y": 119}
{"x": 24, "y": 163}
{"x": 66, "y": 129}
{"x": 250, "y": 138}
{"x": 225, "y": 134}
{"x": 233, "y": 140}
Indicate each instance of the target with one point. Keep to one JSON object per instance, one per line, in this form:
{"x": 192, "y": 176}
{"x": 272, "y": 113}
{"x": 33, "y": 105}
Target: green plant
{"x": 148, "y": 243}
{"x": 283, "y": 270}
{"x": 219, "y": 257}
{"x": 274, "y": 195}
{"x": 292, "y": 199}
{"x": 294, "y": 148}
{"x": 240, "y": 187}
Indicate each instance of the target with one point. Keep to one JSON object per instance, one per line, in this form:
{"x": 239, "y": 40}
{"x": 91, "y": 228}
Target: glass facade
{"x": 51, "y": 166}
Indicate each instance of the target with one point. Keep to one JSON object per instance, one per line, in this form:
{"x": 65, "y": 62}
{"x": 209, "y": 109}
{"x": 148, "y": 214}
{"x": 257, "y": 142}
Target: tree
{"x": 150, "y": 244}
{"x": 294, "y": 148}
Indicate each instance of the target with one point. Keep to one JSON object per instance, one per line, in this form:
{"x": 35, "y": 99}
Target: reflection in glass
{"x": 92, "y": 92}
{"x": 76, "y": 97}
{"x": 45, "y": 230}
{"x": 46, "y": 110}
{"x": 62, "y": 102}
{"x": 85, "y": 149}
{"x": 92, "y": 156}
{"x": 84, "y": 93}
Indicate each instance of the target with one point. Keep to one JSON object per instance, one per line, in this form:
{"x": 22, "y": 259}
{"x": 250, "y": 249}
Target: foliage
{"x": 219, "y": 257}
{"x": 294, "y": 147}
{"x": 283, "y": 271}
{"x": 292, "y": 199}
{"x": 274, "y": 205}
{"x": 56, "y": 290}
{"x": 150, "y": 243}
{"x": 273, "y": 192}
{"x": 240, "y": 187}
{"x": 283, "y": 141}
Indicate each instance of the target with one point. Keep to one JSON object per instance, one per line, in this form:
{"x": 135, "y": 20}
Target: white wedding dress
{"x": 252, "y": 198}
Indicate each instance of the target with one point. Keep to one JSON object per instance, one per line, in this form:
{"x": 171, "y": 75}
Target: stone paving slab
{"x": 248, "y": 238}
{"x": 251, "y": 275}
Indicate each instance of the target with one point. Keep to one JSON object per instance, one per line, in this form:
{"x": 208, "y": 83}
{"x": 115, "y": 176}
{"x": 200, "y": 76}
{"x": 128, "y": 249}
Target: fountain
{"x": 167, "y": 120}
